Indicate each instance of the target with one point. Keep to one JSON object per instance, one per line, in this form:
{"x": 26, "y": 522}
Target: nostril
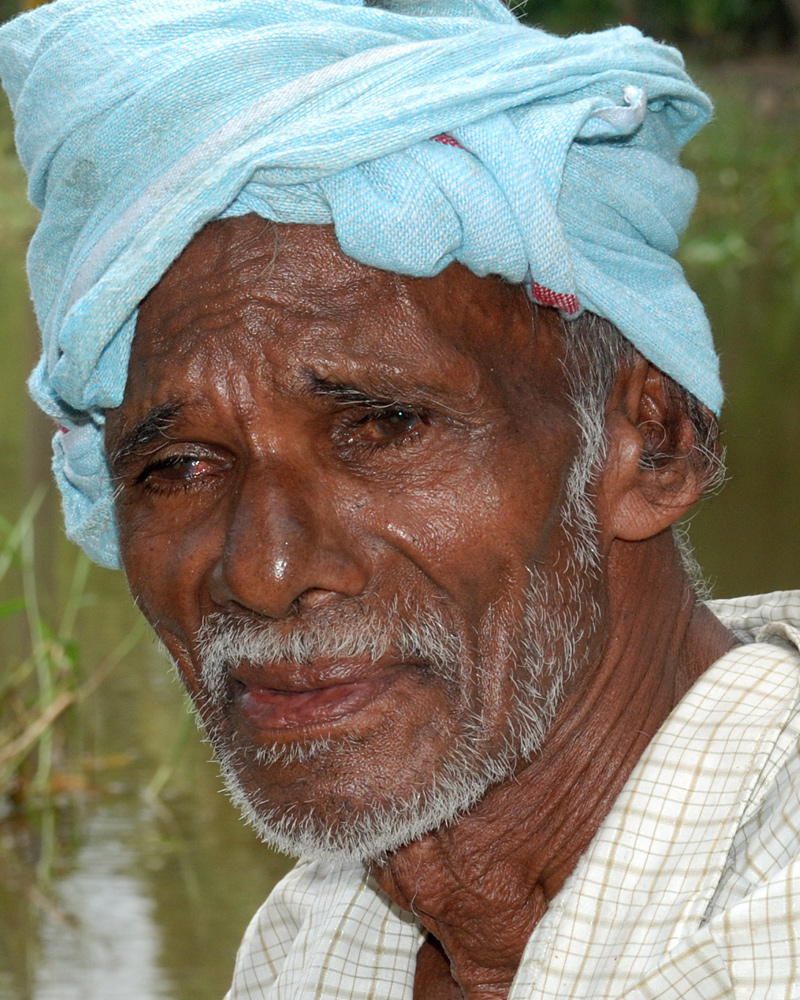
{"x": 316, "y": 597}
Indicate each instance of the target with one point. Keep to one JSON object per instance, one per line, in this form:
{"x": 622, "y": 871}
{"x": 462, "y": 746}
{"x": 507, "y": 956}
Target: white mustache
{"x": 225, "y": 640}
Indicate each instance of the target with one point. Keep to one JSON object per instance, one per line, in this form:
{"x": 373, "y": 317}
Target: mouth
{"x": 317, "y": 696}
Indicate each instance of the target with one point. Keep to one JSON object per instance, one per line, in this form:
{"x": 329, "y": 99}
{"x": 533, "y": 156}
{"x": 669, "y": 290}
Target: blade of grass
{"x": 14, "y": 533}
{"x": 44, "y": 663}
{"x": 77, "y": 597}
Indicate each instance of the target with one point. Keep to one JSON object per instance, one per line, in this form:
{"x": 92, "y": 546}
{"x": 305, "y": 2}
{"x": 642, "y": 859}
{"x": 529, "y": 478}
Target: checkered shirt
{"x": 690, "y": 889}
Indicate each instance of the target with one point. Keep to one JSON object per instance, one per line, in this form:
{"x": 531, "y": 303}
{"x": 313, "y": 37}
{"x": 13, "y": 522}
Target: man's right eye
{"x": 176, "y": 471}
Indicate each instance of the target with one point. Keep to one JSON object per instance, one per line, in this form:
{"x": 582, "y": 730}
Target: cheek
{"x": 166, "y": 565}
{"x": 476, "y": 527}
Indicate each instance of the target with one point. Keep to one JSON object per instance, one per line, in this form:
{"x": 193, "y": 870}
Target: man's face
{"x": 341, "y": 506}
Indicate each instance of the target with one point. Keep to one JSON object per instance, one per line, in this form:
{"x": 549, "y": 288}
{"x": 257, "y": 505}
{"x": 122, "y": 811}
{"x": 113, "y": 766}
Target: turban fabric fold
{"x": 425, "y": 131}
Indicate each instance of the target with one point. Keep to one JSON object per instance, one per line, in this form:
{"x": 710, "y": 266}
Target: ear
{"x": 649, "y": 480}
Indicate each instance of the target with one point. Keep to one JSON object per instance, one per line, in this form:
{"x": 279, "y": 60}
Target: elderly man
{"x": 374, "y": 371}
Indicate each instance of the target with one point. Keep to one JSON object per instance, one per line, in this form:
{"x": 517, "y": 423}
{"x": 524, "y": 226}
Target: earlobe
{"x": 649, "y": 481}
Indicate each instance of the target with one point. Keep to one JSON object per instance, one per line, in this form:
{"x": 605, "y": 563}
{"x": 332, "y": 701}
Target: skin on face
{"x": 304, "y": 438}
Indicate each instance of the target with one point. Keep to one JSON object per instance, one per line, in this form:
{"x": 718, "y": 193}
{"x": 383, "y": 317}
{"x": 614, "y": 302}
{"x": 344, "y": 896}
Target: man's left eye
{"x": 388, "y": 425}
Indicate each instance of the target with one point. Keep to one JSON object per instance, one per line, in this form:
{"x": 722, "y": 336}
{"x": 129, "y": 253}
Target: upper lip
{"x": 315, "y": 675}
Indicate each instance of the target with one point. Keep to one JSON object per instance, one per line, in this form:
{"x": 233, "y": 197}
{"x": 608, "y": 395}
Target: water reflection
{"x": 112, "y": 949}
{"x": 139, "y": 896}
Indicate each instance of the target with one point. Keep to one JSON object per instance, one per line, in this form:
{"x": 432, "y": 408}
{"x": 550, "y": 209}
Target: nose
{"x": 286, "y": 543}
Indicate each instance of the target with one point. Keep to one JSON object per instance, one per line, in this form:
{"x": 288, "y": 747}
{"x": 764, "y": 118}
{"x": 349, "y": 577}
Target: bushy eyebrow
{"x": 154, "y": 426}
{"x": 375, "y": 392}
{"x": 348, "y": 394}
{"x": 159, "y": 421}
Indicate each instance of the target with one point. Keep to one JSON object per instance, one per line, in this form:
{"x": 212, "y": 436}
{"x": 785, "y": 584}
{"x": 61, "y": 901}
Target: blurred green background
{"x": 711, "y": 28}
{"x": 123, "y": 872}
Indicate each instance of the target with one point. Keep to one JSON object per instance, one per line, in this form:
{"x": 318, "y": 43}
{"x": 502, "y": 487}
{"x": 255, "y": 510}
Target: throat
{"x": 481, "y": 885}
{"x": 433, "y": 979}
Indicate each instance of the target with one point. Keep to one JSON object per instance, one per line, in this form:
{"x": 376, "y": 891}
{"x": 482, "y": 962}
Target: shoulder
{"x": 711, "y": 820}
{"x": 762, "y": 617}
{"x": 748, "y": 936}
{"x": 766, "y": 843}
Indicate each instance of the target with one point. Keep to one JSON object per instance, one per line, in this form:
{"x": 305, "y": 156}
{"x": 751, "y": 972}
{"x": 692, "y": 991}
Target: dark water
{"x": 137, "y": 882}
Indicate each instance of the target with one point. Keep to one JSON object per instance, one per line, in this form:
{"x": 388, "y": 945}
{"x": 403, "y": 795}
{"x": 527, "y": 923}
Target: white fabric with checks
{"x": 690, "y": 889}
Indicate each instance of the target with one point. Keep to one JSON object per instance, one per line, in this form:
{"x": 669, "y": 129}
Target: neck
{"x": 480, "y": 885}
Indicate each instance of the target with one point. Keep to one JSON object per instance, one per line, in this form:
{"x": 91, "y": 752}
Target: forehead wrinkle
{"x": 343, "y": 285}
{"x": 313, "y": 283}
{"x": 415, "y": 361}
{"x": 326, "y": 351}
{"x": 186, "y": 328}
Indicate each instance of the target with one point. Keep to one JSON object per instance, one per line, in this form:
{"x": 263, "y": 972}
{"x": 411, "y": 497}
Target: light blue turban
{"x": 426, "y": 131}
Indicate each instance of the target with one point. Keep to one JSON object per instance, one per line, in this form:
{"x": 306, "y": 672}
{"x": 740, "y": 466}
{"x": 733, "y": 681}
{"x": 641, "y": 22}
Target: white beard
{"x": 549, "y": 645}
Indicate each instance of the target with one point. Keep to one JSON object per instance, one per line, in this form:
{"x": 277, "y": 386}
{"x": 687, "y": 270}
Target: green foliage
{"x": 8, "y": 8}
{"x": 748, "y": 214}
{"x": 17, "y": 215}
{"x": 721, "y": 25}
{"x": 745, "y": 20}
{"x": 38, "y": 688}
{"x": 566, "y": 17}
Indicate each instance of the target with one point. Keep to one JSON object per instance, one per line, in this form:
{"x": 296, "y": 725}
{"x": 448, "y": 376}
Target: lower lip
{"x": 275, "y": 711}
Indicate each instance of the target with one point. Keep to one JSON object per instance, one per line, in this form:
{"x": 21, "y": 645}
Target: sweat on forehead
{"x": 238, "y": 254}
